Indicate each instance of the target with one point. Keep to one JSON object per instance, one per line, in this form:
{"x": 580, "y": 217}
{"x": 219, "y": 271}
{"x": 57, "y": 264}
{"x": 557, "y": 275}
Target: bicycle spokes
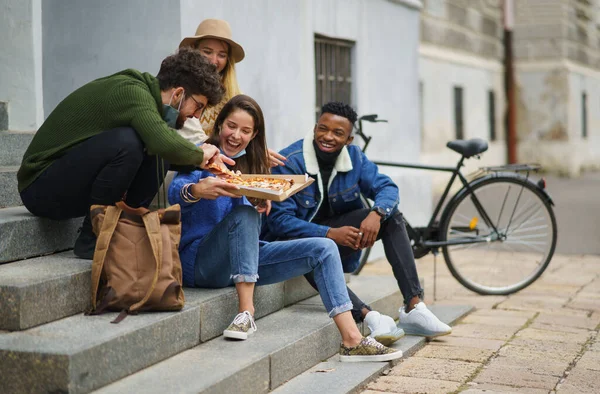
{"x": 508, "y": 253}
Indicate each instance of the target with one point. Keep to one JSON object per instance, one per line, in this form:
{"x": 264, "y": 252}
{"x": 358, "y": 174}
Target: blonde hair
{"x": 232, "y": 89}
{"x": 229, "y": 78}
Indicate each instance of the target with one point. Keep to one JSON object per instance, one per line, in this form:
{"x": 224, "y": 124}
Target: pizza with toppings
{"x": 262, "y": 183}
{"x": 252, "y": 184}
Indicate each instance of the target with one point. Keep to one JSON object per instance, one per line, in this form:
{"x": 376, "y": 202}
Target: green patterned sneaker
{"x": 242, "y": 326}
{"x": 368, "y": 350}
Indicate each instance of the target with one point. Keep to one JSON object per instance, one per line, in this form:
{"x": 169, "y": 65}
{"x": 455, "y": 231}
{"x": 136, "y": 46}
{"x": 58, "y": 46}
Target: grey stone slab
{"x": 218, "y": 307}
{"x": 42, "y": 290}
{"x": 215, "y": 366}
{"x": 9, "y": 195}
{"x": 24, "y": 235}
{"x": 12, "y": 146}
{"x": 80, "y": 353}
{"x": 334, "y": 377}
{"x": 290, "y": 340}
{"x": 296, "y": 290}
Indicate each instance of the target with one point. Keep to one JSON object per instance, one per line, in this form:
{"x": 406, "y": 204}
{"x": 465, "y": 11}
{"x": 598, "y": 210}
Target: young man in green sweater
{"x": 103, "y": 142}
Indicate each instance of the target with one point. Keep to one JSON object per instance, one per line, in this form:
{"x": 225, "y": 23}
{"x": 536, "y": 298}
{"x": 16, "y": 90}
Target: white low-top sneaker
{"x": 421, "y": 321}
{"x": 383, "y": 328}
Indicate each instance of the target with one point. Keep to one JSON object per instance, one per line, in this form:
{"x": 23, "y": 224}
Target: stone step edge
{"x": 280, "y": 358}
{"x": 29, "y": 290}
{"x": 24, "y": 235}
{"x": 63, "y": 356}
{"x": 333, "y": 376}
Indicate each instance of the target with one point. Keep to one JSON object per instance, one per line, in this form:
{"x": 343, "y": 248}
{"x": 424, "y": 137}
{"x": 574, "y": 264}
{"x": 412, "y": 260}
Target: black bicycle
{"x": 497, "y": 233}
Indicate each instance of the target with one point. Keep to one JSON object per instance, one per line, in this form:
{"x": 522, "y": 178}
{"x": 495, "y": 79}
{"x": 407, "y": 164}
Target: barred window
{"x": 333, "y": 71}
{"x": 458, "y": 113}
{"x": 492, "y": 114}
{"x": 584, "y": 115}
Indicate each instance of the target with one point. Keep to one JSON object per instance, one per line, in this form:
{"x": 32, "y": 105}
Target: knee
{"x": 327, "y": 250}
{"x": 127, "y": 140}
{"x": 247, "y": 215}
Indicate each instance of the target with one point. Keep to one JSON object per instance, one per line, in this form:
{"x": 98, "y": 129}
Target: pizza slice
{"x": 223, "y": 171}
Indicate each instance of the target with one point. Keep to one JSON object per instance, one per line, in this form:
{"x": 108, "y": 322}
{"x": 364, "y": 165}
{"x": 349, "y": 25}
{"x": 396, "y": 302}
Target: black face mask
{"x": 327, "y": 158}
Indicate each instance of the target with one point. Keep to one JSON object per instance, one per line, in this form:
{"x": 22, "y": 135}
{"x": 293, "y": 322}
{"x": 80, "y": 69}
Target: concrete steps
{"x": 81, "y": 353}
{"x": 12, "y": 147}
{"x": 334, "y": 377}
{"x": 48, "y": 288}
{"x": 43, "y": 289}
{"x": 286, "y": 344}
{"x": 23, "y": 235}
{"x": 9, "y": 194}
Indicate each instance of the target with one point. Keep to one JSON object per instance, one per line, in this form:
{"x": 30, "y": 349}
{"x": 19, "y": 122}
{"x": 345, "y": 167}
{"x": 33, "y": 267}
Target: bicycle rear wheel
{"x": 516, "y": 252}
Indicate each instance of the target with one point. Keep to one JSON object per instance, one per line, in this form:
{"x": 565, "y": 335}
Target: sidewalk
{"x": 543, "y": 339}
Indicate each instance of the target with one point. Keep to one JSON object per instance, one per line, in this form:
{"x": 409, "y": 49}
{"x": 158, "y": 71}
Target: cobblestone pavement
{"x": 543, "y": 339}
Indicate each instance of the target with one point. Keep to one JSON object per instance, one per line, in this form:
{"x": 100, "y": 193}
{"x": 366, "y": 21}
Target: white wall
{"x": 20, "y": 62}
{"x": 88, "y": 39}
{"x": 278, "y": 70}
{"x": 440, "y": 70}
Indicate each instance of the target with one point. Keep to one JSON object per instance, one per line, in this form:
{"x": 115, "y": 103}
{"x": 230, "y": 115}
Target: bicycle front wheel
{"x": 509, "y": 235}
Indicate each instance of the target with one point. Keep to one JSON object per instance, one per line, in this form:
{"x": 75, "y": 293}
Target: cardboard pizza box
{"x": 300, "y": 182}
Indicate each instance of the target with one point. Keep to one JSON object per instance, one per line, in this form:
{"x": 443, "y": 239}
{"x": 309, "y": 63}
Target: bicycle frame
{"x": 422, "y": 236}
{"x": 430, "y": 226}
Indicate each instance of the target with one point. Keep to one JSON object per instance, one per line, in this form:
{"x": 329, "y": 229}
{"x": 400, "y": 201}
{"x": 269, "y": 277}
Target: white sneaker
{"x": 421, "y": 321}
{"x": 383, "y": 328}
{"x": 242, "y": 326}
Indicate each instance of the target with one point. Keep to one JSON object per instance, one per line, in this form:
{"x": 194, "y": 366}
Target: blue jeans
{"x": 231, "y": 253}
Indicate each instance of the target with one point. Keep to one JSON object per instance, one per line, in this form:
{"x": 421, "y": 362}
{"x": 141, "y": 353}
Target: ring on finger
{"x": 360, "y": 234}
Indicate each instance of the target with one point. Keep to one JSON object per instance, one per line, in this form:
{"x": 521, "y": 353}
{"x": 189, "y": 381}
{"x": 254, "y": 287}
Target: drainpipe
{"x": 509, "y": 82}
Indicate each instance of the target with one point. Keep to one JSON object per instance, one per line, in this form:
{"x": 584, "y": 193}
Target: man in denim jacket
{"x": 331, "y": 207}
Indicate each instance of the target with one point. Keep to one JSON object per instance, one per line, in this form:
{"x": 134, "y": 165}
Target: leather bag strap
{"x": 111, "y": 218}
{"x": 152, "y": 225}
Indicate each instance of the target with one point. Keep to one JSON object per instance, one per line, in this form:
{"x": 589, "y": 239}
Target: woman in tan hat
{"x": 213, "y": 40}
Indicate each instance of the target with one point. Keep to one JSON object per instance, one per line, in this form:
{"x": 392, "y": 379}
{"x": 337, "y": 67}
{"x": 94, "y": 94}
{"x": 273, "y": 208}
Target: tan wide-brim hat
{"x": 218, "y": 29}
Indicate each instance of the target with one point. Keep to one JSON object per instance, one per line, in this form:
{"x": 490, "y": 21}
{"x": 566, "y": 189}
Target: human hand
{"x": 212, "y": 155}
{"x": 345, "y": 236}
{"x": 264, "y": 207}
{"x": 369, "y": 229}
{"x": 276, "y": 159}
{"x": 210, "y": 188}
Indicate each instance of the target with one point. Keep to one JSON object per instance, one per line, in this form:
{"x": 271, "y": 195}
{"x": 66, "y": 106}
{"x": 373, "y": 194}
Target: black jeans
{"x": 104, "y": 169}
{"x": 398, "y": 252}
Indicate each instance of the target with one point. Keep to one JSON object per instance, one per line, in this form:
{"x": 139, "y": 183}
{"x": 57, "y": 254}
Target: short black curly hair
{"x": 340, "y": 109}
{"x": 189, "y": 69}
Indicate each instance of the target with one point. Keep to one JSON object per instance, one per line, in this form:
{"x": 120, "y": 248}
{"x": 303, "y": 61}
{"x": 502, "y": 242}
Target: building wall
{"x": 278, "y": 69}
{"x": 88, "y": 39}
{"x": 460, "y": 46}
{"x": 20, "y": 63}
{"x": 557, "y": 59}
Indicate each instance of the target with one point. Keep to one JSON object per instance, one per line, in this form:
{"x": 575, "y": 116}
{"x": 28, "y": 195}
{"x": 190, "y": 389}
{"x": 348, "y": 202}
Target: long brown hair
{"x": 256, "y": 159}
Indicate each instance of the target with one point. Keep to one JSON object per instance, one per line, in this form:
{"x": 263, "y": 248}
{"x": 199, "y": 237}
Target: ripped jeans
{"x": 231, "y": 253}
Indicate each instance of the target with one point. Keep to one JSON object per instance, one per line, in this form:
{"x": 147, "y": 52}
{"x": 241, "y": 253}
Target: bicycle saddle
{"x": 468, "y": 148}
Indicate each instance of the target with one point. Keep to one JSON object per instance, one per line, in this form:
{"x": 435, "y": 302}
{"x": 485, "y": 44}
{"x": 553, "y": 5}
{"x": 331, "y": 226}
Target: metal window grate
{"x": 333, "y": 71}
{"x": 492, "y": 114}
{"x": 458, "y": 112}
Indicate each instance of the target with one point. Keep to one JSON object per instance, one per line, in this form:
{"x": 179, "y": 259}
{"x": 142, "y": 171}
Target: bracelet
{"x": 186, "y": 195}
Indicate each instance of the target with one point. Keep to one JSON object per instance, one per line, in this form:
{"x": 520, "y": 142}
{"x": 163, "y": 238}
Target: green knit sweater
{"x": 128, "y": 98}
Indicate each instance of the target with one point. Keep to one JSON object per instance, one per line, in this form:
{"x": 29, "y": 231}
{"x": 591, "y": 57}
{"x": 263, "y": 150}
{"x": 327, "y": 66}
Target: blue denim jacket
{"x": 352, "y": 175}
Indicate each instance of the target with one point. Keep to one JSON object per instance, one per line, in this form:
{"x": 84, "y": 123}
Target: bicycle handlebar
{"x": 371, "y": 118}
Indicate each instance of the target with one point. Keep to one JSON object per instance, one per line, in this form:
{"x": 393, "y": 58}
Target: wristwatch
{"x": 380, "y": 211}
